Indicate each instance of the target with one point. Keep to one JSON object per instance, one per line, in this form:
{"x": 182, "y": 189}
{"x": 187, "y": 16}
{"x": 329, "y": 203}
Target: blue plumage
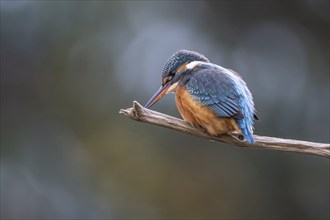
{"x": 225, "y": 93}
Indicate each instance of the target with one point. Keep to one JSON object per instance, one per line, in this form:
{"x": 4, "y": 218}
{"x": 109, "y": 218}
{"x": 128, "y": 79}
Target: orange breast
{"x": 201, "y": 116}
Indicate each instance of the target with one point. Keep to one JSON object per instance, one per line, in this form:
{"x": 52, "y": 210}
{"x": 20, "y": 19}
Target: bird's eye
{"x": 166, "y": 80}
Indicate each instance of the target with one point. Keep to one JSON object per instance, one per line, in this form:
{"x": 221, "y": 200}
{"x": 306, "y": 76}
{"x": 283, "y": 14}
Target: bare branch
{"x": 139, "y": 113}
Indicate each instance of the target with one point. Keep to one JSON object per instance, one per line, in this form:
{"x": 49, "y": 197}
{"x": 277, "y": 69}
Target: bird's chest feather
{"x": 201, "y": 116}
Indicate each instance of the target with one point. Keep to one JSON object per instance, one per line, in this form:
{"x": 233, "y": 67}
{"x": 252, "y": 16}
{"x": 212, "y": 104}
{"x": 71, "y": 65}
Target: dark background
{"x": 67, "y": 67}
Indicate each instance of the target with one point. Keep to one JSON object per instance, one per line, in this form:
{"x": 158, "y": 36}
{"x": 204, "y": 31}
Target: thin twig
{"x": 139, "y": 113}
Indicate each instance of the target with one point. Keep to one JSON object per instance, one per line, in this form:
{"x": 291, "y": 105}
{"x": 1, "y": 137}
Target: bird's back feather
{"x": 225, "y": 93}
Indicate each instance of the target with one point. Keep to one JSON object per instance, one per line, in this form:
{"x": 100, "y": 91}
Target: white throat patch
{"x": 193, "y": 64}
{"x": 172, "y": 88}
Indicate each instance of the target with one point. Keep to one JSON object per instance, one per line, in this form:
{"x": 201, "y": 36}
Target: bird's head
{"x": 173, "y": 70}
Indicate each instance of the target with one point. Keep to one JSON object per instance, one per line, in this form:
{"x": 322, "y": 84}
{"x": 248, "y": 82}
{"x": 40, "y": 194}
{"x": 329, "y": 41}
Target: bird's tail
{"x": 247, "y": 135}
{"x": 246, "y": 131}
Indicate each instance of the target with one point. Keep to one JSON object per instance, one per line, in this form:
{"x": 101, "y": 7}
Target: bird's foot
{"x": 237, "y": 136}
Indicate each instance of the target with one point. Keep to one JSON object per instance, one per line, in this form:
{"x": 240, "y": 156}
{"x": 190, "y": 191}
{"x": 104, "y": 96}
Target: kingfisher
{"x": 209, "y": 97}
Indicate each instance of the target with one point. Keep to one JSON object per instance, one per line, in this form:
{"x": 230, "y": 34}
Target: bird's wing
{"x": 237, "y": 74}
{"x": 216, "y": 89}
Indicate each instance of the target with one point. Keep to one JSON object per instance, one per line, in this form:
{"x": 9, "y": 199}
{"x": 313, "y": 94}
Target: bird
{"x": 211, "y": 98}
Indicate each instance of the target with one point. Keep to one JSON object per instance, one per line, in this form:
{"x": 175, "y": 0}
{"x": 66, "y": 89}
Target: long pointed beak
{"x": 160, "y": 93}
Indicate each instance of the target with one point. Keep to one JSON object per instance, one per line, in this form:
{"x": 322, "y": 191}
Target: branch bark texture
{"x": 139, "y": 113}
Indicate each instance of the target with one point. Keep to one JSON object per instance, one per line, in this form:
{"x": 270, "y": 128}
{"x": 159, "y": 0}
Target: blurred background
{"x": 67, "y": 67}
